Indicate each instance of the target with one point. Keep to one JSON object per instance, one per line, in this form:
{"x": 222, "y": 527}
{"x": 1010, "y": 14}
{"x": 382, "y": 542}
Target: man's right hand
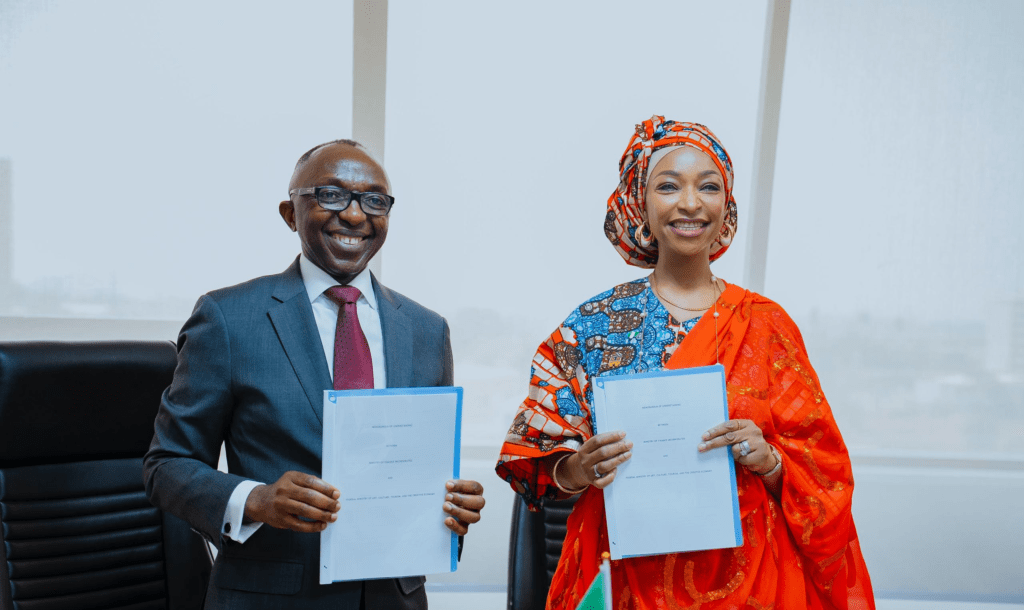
{"x": 297, "y": 501}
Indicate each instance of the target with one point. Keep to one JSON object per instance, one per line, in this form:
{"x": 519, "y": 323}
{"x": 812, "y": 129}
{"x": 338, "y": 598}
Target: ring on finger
{"x": 744, "y": 449}
{"x": 597, "y": 474}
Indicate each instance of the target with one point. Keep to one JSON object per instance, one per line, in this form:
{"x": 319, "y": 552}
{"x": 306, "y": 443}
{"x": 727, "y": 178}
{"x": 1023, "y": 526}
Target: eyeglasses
{"x": 337, "y": 199}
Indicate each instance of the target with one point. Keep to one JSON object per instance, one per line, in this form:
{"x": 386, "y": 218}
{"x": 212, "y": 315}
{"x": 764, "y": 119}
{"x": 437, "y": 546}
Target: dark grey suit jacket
{"x": 251, "y": 372}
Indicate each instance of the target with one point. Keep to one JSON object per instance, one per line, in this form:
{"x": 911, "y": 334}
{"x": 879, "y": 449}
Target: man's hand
{"x": 463, "y": 501}
{"x": 297, "y": 501}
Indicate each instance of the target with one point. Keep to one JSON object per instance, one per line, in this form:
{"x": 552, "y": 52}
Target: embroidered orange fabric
{"x": 801, "y": 551}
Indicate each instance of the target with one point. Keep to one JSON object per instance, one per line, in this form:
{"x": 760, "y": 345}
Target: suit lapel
{"x": 396, "y": 330}
{"x": 292, "y": 317}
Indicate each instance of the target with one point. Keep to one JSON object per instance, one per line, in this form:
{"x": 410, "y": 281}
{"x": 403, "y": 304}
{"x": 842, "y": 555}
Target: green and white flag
{"x": 599, "y": 595}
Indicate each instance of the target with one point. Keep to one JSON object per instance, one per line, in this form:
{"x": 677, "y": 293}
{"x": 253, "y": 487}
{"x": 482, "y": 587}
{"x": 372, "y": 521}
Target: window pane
{"x": 150, "y": 144}
{"x": 896, "y": 230}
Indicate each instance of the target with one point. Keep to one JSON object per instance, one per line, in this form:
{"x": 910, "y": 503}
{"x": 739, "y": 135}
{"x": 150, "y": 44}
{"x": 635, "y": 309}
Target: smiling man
{"x": 253, "y": 363}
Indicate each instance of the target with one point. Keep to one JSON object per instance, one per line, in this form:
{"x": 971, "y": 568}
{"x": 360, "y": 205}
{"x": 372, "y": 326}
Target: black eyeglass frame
{"x": 341, "y": 207}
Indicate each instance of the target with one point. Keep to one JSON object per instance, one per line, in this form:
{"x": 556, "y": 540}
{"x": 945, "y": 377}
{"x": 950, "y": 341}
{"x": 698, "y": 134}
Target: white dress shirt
{"x": 325, "y": 313}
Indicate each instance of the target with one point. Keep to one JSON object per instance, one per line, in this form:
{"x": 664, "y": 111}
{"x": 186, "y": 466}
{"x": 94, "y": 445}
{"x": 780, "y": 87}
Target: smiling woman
{"x": 674, "y": 210}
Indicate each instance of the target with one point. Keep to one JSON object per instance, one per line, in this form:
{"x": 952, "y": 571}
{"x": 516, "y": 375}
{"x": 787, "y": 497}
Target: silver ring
{"x": 596, "y": 473}
{"x": 744, "y": 449}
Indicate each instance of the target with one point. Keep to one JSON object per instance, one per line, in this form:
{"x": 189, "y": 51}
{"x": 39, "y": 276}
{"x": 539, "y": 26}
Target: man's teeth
{"x": 349, "y": 241}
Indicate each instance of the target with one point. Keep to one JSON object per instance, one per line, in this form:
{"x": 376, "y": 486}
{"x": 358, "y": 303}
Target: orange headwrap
{"x": 625, "y": 224}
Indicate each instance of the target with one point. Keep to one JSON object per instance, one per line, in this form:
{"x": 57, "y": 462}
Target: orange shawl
{"x": 799, "y": 552}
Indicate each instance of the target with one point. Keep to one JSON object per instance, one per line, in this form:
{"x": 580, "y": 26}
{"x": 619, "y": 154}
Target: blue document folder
{"x": 390, "y": 452}
{"x": 668, "y": 497}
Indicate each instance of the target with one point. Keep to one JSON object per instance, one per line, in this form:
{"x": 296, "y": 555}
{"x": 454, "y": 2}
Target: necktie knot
{"x": 343, "y": 294}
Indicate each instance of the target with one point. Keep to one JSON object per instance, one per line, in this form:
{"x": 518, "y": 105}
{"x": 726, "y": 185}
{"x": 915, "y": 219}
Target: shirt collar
{"x": 317, "y": 281}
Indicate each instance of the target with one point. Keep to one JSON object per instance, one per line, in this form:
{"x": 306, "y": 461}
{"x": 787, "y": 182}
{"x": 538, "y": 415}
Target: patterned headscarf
{"x": 625, "y": 224}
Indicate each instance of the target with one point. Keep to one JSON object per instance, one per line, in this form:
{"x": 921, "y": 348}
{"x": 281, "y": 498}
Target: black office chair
{"x": 77, "y": 529}
{"x": 535, "y": 544}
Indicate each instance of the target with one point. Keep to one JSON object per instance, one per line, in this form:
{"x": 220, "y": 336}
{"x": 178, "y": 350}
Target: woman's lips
{"x": 688, "y": 228}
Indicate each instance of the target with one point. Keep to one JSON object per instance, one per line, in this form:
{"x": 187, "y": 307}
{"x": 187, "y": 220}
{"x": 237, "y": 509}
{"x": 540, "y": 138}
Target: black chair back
{"x": 535, "y": 545}
{"x": 77, "y": 528}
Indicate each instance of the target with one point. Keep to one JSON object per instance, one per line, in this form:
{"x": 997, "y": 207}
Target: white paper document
{"x": 668, "y": 498}
{"x": 390, "y": 453}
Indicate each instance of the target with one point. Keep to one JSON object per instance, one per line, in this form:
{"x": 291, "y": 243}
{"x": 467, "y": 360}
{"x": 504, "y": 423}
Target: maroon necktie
{"x": 353, "y": 367}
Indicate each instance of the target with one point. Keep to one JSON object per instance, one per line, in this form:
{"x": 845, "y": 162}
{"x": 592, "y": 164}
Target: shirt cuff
{"x": 234, "y": 528}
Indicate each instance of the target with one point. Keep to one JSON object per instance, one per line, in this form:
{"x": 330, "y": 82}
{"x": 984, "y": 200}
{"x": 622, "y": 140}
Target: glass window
{"x": 896, "y": 226}
{"x": 148, "y": 147}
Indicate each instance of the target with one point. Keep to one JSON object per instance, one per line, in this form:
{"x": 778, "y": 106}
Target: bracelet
{"x": 554, "y": 477}
{"x": 778, "y": 463}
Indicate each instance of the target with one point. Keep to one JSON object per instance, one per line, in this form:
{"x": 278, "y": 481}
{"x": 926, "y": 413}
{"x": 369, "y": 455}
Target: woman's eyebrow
{"x": 675, "y": 174}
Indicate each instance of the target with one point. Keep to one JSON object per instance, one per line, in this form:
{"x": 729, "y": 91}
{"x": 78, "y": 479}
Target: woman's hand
{"x": 596, "y": 461}
{"x": 759, "y": 459}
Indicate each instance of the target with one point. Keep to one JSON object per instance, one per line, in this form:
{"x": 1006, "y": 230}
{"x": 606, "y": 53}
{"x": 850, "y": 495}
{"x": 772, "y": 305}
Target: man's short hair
{"x": 309, "y": 153}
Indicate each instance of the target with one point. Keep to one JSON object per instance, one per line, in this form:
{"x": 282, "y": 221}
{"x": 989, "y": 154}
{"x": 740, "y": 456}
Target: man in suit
{"x": 253, "y": 363}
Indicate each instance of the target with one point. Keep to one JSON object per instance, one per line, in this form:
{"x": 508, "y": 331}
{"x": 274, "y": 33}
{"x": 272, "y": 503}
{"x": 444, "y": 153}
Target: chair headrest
{"x": 64, "y": 401}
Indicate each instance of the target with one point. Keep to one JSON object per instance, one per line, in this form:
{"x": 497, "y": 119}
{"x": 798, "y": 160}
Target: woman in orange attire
{"x": 674, "y": 211}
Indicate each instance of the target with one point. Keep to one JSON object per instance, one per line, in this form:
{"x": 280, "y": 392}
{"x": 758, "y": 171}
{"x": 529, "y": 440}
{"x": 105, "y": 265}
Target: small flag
{"x": 599, "y": 595}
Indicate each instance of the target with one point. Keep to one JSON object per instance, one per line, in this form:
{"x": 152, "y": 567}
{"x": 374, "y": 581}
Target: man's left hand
{"x": 463, "y": 502}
